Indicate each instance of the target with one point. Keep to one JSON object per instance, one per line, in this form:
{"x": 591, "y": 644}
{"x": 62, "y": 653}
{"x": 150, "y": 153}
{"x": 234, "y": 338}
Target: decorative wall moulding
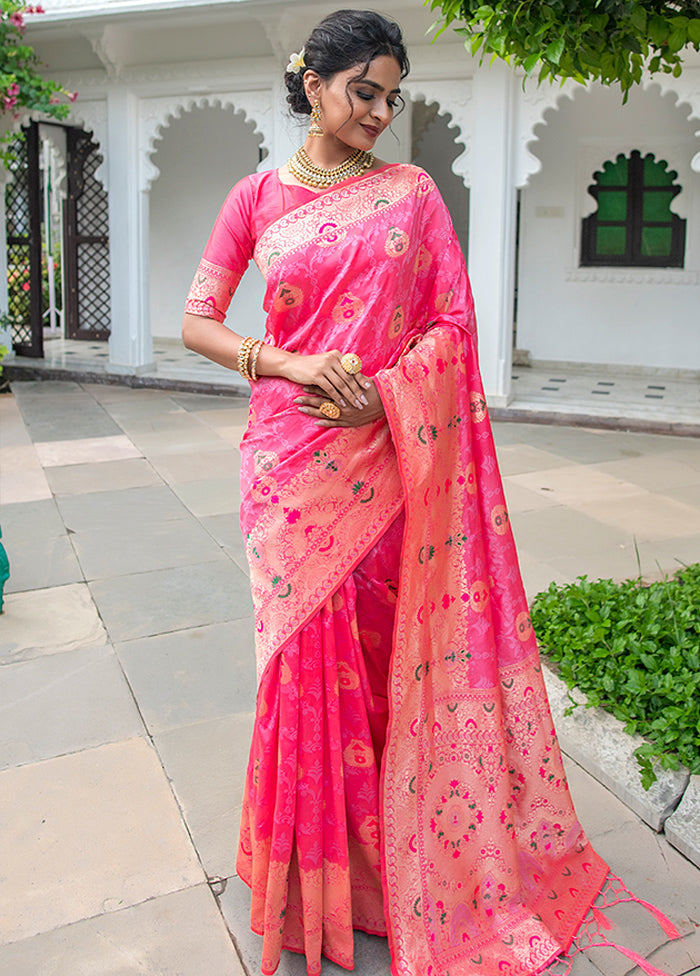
{"x": 634, "y": 276}
{"x": 157, "y": 114}
{"x": 453, "y": 97}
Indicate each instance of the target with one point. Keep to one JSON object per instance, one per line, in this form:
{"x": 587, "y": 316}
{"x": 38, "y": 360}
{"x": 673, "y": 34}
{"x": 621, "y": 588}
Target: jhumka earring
{"x": 316, "y": 129}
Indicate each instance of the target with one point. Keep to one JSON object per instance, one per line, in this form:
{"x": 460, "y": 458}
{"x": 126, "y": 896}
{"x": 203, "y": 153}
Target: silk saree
{"x": 404, "y": 775}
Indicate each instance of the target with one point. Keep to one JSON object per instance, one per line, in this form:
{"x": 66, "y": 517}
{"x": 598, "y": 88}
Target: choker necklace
{"x": 301, "y": 167}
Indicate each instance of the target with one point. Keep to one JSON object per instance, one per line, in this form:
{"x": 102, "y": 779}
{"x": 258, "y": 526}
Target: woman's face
{"x": 356, "y": 112}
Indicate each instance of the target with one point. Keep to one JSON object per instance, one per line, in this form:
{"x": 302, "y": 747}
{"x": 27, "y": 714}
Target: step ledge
{"x": 597, "y": 741}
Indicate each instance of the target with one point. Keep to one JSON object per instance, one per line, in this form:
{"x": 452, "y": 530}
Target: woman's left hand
{"x": 350, "y": 416}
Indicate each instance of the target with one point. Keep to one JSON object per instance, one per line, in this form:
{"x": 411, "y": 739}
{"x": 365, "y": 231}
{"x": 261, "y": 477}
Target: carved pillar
{"x": 492, "y": 225}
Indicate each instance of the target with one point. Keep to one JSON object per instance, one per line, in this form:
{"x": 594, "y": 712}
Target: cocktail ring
{"x": 330, "y": 409}
{"x": 351, "y": 363}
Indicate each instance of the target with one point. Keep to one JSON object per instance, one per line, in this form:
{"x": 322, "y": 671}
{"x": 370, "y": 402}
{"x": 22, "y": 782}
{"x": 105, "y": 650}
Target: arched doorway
{"x": 199, "y": 156}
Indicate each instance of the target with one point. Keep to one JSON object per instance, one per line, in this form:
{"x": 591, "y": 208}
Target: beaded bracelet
{"x": 243, "y": 358}
{"x": 254, "y": 361}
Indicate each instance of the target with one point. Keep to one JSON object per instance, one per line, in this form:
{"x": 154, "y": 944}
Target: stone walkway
{"x": 128, "y": 675}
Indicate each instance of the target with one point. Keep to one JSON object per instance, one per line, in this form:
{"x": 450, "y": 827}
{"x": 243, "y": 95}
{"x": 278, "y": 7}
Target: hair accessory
{"x": 243, "y": 358}
{"x": 296, "y": 62}
{"x": 351, "y": 363}
{"x": 330, "y": 409}
{"x": 316, "y": 129}
{"x": 306, "y": 172}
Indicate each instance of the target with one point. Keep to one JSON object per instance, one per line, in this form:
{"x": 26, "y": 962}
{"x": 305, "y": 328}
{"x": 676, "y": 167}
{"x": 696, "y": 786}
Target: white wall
{"x": 200, "y": 157}
{"x": 640, "y": 321}
{"x": 435, "y": 151}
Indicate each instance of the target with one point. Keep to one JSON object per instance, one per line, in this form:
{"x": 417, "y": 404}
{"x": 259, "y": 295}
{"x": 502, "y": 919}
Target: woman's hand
{"x": 350, "y": 415}
{"x": 324, "y": 377}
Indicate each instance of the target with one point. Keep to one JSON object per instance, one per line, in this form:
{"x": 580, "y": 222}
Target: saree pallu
{"x": 452, "y": 829}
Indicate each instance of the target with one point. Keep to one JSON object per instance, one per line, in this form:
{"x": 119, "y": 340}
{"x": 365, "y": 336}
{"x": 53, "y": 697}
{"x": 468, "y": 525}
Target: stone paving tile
{"x": 181, "y": 934}
{"x": 576, "y": 485}
{"x": 619, "y": 563}
{"x": 65, "y": 417}
{"x": 198, "y": 438}
{"x": 36, "y": 564}
{"x": 34, "y": 520}
{"x": 128, "y": 506}
{"x": 657, "y": 473}
{"x": 85, "y": 451}
{"x": 646, "y": 515}
{"x": 520, "y": 499}
{"x": 13, "y": 433}
{"x": 23, "y": 486}
{"x": 50, "y": 621}
{"x": 192, "y": 675}
{"x": 662, "y": 876}
{"x": 81, "y": 479}
{"x": 122, "y": 548}
{"x": 166, "y": 600}
{"x": 521, "y": 458}
{"x": 540, "y": 534}
{"x": 197, "y": 466}
{"x": 199, "y": 403}
{"x": 64, "y": 703}
{"x": 216, "y": 496}
{"x": 206, "y": 765}
{"x": 679, "y": 957}
{"x": 99, "y": 830}
{"x": 371, "y": 952}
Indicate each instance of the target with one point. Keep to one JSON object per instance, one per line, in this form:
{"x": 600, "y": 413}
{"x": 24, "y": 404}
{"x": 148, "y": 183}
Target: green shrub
{"x": 634, "y": 650}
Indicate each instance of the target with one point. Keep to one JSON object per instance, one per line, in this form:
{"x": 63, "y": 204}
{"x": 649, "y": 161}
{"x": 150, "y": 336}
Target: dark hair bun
{"x": 341, "y": 41}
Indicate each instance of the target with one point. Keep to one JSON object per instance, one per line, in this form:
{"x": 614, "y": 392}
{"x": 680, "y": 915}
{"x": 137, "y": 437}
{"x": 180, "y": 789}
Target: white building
{"x": 185, "y": 97}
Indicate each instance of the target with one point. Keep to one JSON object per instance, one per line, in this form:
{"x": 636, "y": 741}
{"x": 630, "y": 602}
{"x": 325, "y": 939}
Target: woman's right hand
{"x": 324, "y": 372}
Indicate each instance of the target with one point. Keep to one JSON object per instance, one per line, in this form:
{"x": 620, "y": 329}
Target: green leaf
{"x": 694, "y": 31}
{"x": 555, "y": 50}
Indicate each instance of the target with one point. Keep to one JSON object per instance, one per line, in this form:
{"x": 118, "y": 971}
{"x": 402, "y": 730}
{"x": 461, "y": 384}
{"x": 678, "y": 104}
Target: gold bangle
{"x": 254, "y": 361}
{"x": 351, "y": 363}
{"x": 330, "y": 409}
{"x": 244, "y": 357}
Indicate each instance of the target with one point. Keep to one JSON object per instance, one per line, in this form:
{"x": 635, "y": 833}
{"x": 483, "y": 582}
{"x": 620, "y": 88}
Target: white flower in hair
{"x": 296, "y": 62}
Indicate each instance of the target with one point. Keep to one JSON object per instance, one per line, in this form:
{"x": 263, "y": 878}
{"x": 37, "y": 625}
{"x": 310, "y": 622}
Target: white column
{"x": 130, "y": 343}
{"x": 492, "y": 207}
{"x": 5, "y": 334}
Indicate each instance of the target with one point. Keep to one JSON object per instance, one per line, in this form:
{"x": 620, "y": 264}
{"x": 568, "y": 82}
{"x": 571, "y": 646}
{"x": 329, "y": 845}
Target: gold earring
{"x": 316, "y": 129}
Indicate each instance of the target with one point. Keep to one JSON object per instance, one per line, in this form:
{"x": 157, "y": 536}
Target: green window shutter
{"x": 634, "y": 225}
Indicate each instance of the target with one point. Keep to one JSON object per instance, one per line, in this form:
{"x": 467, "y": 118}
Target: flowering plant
{"x": 21, "y": 85}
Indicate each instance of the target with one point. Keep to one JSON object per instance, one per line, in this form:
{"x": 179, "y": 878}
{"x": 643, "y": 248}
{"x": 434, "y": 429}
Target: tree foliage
{"x": 611, "y": 41}
{"x": 21, "y": 84}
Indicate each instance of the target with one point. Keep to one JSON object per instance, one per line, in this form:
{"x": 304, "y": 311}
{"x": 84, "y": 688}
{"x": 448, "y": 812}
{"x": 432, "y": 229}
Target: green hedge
{"x": 634, "y": 650}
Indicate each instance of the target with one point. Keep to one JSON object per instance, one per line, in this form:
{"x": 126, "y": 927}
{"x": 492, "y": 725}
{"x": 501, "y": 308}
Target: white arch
{"x": 453, "y": 98}
{"x": 157, "y": 114}
{"x": 536, "y": 100}
{"x": 92, "y": 117}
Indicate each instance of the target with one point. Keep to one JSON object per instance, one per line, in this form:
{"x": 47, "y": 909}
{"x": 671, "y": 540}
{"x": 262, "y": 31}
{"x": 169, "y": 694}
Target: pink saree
{"x": 404, "y": 775}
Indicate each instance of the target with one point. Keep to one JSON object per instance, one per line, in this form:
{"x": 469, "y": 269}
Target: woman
{"x": 404, "y": 774}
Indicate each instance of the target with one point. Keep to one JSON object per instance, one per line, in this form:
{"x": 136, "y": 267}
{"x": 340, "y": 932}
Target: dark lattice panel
{"x": 17, "y": 222}
{"x": 93, "y": 218}
{"x": 93, "y": 289}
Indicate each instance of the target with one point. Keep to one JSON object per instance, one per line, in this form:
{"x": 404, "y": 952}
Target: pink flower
{"x": 17, "y": 19}
{"x": 25, "y": 286}
{"x": 72, "y": 96}
{"x": 13, "y": 90}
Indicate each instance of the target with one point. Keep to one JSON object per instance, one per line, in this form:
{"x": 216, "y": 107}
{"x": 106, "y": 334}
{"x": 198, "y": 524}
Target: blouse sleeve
{"x": 226, "y": 256}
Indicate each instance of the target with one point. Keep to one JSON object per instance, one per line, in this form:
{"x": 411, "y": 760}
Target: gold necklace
{"x": 301, "y": 167}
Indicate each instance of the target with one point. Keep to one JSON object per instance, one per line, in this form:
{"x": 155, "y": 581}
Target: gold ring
{"x": 330, "y": 409}
{"x": 351, "y": 363}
